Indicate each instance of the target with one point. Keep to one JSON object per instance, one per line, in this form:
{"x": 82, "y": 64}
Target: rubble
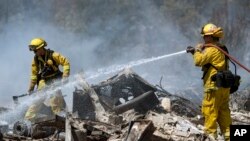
{"x": 126, "y": 90}
{"x": 123, "y": 108}
{"x": 240, "y": 100}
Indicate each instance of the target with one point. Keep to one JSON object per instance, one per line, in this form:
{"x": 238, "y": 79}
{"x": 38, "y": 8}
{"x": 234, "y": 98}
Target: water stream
{"x": 19, "y": 110}
{"x": 115, "y": 68}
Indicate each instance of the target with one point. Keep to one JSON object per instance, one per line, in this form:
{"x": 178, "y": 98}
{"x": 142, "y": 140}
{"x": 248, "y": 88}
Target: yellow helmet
{"x": 36, "y": 44}
{"x": 213, "y": 30}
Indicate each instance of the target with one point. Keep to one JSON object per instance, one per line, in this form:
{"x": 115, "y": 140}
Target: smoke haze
{"x": 104, "y": 33}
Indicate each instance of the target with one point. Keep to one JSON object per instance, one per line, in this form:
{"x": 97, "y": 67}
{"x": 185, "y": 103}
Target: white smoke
{"x": 103, "y": 34}
{"x": 89, "y": 50}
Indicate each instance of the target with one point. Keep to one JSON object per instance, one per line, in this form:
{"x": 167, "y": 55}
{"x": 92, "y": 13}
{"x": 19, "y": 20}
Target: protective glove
{"x": 190, "y": 49}
{"x": 199, "y": 47}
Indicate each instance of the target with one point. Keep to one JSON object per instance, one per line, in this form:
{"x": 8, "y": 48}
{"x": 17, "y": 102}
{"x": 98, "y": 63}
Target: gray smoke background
{"x": 97, "y": 34}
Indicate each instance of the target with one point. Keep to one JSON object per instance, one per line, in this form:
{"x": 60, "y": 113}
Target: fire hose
{"x": 231, "y": 57}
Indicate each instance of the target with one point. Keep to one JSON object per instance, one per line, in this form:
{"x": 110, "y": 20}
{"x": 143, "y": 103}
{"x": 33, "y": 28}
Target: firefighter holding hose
{"x": 215, "y": 103}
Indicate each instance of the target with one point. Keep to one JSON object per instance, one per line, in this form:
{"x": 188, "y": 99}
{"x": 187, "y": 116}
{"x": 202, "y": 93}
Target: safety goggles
{"x": 32, "y": 48}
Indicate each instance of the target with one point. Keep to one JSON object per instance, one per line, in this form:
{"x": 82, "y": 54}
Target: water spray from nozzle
{"x": 115, "y": 68}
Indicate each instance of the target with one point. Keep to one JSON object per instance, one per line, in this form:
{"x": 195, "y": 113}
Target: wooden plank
{"x": 68, "y": 130}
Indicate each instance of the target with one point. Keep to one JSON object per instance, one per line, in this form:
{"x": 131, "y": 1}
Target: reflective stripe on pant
{"x": 215, "y": 109}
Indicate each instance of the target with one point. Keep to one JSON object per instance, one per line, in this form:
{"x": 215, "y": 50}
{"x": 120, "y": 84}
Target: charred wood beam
{"x": 140, "y": 100}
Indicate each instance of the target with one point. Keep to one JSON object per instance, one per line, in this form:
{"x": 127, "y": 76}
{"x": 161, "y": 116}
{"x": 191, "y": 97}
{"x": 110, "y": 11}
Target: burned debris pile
{"x": 124, "y": 107}
{"x": 241, "y": 100}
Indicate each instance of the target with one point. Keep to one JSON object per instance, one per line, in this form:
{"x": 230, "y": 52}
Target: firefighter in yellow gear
{"x": 44, "y": 71}
{"x": 215, "y": 104}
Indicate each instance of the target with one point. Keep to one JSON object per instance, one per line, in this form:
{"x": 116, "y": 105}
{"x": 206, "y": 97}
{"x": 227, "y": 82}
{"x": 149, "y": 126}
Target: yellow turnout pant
{"x": 215, "y": 109}
{"x": 56, "y": 103}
